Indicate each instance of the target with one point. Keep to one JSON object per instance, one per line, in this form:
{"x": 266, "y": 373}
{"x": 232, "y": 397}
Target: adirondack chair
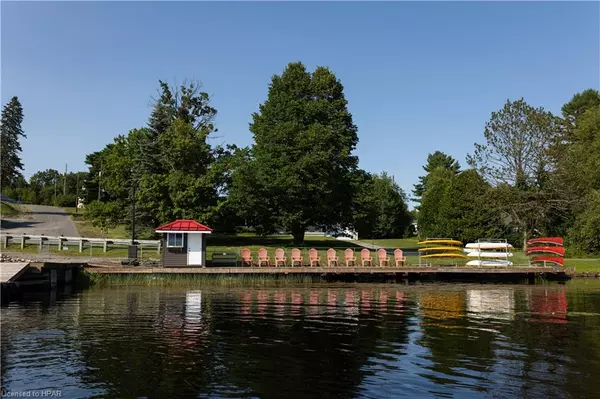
{"x": 313, "y": 257}
{"x": 383, "y": 257}
{"x": 399, "y": 257}
{"x": 365, "y": 257}
{"x": 332, "y": 258}
{"x": 246, "y": 255}
{"x": 263, "y": 257}
{"x": 349, "y": 257}
{"x": 297, "y": 257}
{"x": 280, "y": 257}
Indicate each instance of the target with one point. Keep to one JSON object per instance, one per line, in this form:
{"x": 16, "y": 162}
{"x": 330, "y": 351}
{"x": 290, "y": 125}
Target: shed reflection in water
{"x": 345, "y": 341}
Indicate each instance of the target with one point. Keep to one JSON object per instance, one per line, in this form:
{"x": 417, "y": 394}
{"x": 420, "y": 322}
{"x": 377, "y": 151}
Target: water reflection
{"x": 347, "y": 341}
{"x": 491, "y": 303}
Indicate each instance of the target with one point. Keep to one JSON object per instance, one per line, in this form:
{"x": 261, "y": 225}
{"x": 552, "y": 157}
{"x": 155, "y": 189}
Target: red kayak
{"x": 545, "y": 240}
{"x": 553, "y": 259}
{"x": 560, "y": 251}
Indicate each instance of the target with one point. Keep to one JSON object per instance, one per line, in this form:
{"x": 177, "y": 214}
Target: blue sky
{"x": 419, "y": 77}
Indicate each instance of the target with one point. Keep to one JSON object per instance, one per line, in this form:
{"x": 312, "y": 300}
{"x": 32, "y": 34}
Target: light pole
{"x": 100, "y": 178}
{"x": 77, "y": 194}
{"x": 133, "y": 247}
{"x": 133, "y": 215}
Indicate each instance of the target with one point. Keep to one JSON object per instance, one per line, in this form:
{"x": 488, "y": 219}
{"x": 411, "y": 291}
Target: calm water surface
{"x": 320, "y": 341}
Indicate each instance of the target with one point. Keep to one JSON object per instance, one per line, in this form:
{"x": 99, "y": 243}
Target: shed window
{"x": 175, "y": 240}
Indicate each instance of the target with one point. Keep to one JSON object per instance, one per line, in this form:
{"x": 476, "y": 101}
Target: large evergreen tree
{"x": 458, "y": 206}
{"x": 301, "y": 169}
{"x": 435, "y": 160}
{"x": 10, "y": 146}
{"x": 432, "y": 218}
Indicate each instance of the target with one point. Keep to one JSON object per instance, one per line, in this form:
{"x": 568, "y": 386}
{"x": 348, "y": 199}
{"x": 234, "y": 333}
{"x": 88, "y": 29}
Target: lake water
{"x": 340, "y": 341}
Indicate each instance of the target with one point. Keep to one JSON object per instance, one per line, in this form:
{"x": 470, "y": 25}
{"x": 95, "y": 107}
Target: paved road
{"x": 41, "y": 219}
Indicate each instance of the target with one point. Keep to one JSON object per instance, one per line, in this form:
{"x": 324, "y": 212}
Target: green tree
{"x": 435, "y": 160}
{"x": 104, "y": 215}
{"x": 380, "y": 209}
{"x": 432, "y": 217}
{"x": 584, "y": 236}
{"x": 516, "y": 156}
{"x": 579, "y": 162}
{"x": 576, "y": 107}
{"x": 176, "y": 172}
{"x": 469, "y": 213}
{"x": 11, "y": 132}
{"x": 458, "y": 206}
{"x": 300, "y": 172}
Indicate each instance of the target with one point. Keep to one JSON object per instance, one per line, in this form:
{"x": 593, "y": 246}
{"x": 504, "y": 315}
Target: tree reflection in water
{"x": 344, "y": 341}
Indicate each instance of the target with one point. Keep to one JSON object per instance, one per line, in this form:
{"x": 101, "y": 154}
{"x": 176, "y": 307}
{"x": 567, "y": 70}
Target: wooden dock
{"x": 10, "y": 272}
{"x": 321, "y": 270}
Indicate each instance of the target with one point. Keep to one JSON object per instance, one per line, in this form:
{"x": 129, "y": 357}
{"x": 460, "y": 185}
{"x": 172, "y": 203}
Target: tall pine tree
{"x": 436, "y": 160}
{"x": 11, "y": 132}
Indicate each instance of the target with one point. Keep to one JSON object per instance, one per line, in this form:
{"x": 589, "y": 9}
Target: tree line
{"x": 301, "y": 172}
{"x": 535, "y": 174}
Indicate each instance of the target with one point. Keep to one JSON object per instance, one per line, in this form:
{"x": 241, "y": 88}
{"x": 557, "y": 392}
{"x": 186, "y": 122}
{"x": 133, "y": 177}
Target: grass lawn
{"x": 9, "y": 210}
{"x": 86, "y": 229}
{"x": 393, "y": 242}
{"x": 584, "y": 265}
{"x": 73, "y": 250}
{"x": 234, "y": 243}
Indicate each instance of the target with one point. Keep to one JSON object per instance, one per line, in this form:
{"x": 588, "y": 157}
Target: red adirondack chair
{"x": 350, "y": 257}
{"x": 246, "y": 255}
{"x": 297, "y": 257}
{"x": 399, "y": 257}
{"x": 313, "y": 257}
{"x": 383, "y": 257}
{"x": 263, "y": 257}
{"x": 332, "y": 258}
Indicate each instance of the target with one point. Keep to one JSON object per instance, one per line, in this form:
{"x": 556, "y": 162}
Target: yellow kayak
{"x": 440, "y": 242}
{"x": 456, "y": 256}
{"x": 441, "y": 249}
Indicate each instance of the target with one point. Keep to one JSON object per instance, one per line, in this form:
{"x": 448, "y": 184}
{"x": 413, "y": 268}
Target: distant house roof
{"x": 184, "y": 225}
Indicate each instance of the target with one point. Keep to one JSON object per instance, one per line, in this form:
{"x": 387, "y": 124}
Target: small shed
{"x": 184, "y": 243}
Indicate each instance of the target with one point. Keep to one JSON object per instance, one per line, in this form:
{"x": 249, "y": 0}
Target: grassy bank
{"x": 103, "y": 280}
{"x": 393, "y": 242}
{"x": 584, "y": 265}
{"x": 9, "y": 210}
{"x": 73, "y": 251}
{"x": 234, "y": 243}
{"x": 87, "y": 229}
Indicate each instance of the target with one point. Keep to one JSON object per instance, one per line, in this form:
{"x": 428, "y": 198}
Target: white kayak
{"x": 484, "y": 254}
{"x": 486, "y": 262}
{"x": 488, "y": 245}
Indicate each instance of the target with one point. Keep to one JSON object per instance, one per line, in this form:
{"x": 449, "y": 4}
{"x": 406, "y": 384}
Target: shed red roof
{"x": 183, "y": 225}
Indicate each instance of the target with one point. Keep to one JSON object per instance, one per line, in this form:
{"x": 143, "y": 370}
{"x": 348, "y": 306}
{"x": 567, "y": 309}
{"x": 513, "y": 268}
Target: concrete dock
{"x": 11, "y": 271}
{"x": 516, "y": 271}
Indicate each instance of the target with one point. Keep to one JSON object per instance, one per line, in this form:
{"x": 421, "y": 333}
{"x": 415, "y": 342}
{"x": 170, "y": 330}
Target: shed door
{"x": 194, "y": 248}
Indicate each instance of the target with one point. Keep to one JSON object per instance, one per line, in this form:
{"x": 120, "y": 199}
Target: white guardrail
{"x": 62, "y": 241}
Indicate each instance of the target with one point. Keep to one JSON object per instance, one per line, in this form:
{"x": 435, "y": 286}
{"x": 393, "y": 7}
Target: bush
{"x": 584, "y": 236}
{"x": 65, "y": 201}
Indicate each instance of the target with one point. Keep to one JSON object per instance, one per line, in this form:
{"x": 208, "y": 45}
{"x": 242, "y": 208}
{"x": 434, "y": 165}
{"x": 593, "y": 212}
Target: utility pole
{"x": 132, "y": 252}
{"x": 133, "y": 215}
{"x": 65, "y": 181}
{"x": 55, "y": 178}
{"x": 77, "y": 194}
{"x": 100, "y": 178}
